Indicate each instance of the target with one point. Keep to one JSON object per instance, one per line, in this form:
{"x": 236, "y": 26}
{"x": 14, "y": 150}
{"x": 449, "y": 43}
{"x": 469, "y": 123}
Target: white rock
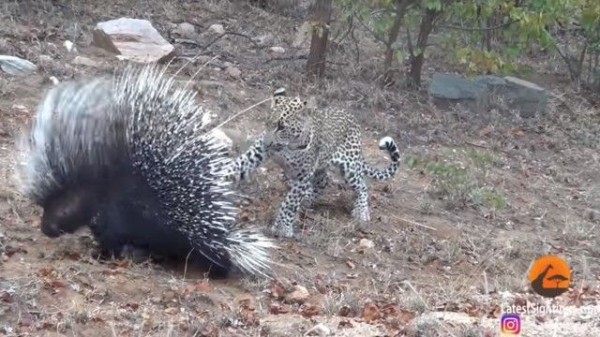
{"x": 54, "y": 80}
{"x": 279, "y": 50}
{"x": 84, "y": 61}
{"x": 217, "y": 28}
{"x": 366, "y": 244}
{"x": 319, "y": 330}
{"x": 132, "y": 39}
{"x": 16, "y": 66}
{"x": 70, "y": 46}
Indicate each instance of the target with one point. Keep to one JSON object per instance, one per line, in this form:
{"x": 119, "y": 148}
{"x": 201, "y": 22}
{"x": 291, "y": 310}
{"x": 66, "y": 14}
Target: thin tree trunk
{"x": 417, "y": 61}
{"x": 401, "y": 7}
{"x": 315, "y": 65}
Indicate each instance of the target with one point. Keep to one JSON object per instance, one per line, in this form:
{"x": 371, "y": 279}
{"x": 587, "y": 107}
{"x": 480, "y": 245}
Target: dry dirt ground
{"x": 478, "y": 198}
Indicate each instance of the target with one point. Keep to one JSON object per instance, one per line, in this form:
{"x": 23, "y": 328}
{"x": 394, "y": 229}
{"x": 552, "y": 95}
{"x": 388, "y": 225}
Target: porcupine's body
{"x": 128, "y": 156}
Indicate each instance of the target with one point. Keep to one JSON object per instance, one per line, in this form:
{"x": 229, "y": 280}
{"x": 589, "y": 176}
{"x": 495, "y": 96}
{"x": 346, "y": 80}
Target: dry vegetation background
{"x": 478, "y": 198}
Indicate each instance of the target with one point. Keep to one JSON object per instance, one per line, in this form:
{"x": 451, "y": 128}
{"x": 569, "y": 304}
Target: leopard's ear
{"x": 280, "y": 92}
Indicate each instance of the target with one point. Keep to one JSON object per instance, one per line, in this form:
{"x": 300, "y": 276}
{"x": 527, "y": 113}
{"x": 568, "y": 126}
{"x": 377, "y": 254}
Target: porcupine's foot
{"x": 126, "y": 251}
{"x": 137, "y": 254}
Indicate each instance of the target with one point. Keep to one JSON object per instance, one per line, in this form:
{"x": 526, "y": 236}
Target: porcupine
{"x": 128, "y": 155}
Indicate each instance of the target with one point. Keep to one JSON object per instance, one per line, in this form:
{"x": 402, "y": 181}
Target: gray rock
{"x": 16, "y": 66}
{"x": 449, "y": 89}
{"x": 527, "y": 98}
{"x": 491, "y": 81}
{"x": 185, "y": 30}
{"x": 217, "y": 28}
{"x": 132, "y": 39}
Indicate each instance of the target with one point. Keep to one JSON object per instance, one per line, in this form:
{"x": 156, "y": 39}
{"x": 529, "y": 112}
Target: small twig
{"x": 288, "y": 58}
{"x": 375, "y": 35}
{"x": 414, "y": 223}
{"x": 239, "y": 113}
{"x": 196, "y": 43}
{"x": 231, "y": 33}
{"x": 185, "y": 266}
{"x": 472, "y": 29}
{"x": 303, "y": 57}
{"x": 417, "y": 293}
{"x": 477, "y": 145}
{"x": 486, "y": 287}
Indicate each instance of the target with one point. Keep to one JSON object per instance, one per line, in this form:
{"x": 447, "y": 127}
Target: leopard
{"x": 307, "y": 143}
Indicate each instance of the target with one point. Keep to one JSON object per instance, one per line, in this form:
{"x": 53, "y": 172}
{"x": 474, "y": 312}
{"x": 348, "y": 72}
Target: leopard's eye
{"x": 280, "y": 126}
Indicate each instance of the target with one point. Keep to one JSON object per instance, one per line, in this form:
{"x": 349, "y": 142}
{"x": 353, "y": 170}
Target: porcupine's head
{"x": 67, "y": 156}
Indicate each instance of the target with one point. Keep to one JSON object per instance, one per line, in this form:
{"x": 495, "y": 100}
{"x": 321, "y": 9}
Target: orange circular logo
{"x": 550, "y": 276}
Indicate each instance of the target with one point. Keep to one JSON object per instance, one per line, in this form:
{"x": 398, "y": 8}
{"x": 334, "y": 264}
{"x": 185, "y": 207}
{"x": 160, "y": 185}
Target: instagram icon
{"x": 510, "y": 325}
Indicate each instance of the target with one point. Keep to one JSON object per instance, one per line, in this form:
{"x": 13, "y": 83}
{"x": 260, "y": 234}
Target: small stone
{"x": 234, "y": 72}
{"x": 186, "y": 30}
{"x": 217, "y": 28}
{"x": 366, "y": 244}
{"x": 319, "y": 330}
{"x": 264, "y": 39}
{"x": 84, "y": 61}
{"x": 171, "y": 311}
{"x": 132, "y": 39}
{"x": 16, "y": 66}
{"x": 278, "y": 50}
{"x": 299, "y": 294}
{"x": 70, "y": 46}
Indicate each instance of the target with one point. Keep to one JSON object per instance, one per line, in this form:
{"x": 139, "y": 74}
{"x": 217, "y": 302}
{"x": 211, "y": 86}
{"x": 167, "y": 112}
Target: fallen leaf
{"x": 298, "y": 295}
{"x": 370, "y": 312}
{"x": 55, "y": 284}
{"x": 6, "y": 297}
{"x": 202, "y": 287}
{"x": 309, "y": 310}
{"x": 44, "y": 272}
{"x": 486, "y": 131}
{"x": 277, "y": 290}
{"x": 132, "y": 306}
{"x": 171, "y": 311}
{"x": 10, "y": 251}
{"x": 277, "y": 309}
{"x": 345, "y": 324}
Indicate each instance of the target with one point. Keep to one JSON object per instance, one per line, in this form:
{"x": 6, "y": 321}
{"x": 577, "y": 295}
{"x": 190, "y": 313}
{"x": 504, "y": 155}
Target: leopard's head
{"x": 288, "y": 121}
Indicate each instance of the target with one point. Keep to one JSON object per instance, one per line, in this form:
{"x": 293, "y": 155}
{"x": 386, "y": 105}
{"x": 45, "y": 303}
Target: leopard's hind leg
{"x": 319, "y": 183}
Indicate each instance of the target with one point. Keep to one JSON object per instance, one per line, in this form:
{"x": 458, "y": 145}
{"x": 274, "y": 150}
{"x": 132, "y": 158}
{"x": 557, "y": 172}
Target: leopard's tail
{"x": 388, "y": 144}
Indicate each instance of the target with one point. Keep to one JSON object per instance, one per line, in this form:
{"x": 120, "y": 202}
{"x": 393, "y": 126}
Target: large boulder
{"x": 447, "y": 90}
{"x": 133, "y": 39}
{"x": 528, "y": 99}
